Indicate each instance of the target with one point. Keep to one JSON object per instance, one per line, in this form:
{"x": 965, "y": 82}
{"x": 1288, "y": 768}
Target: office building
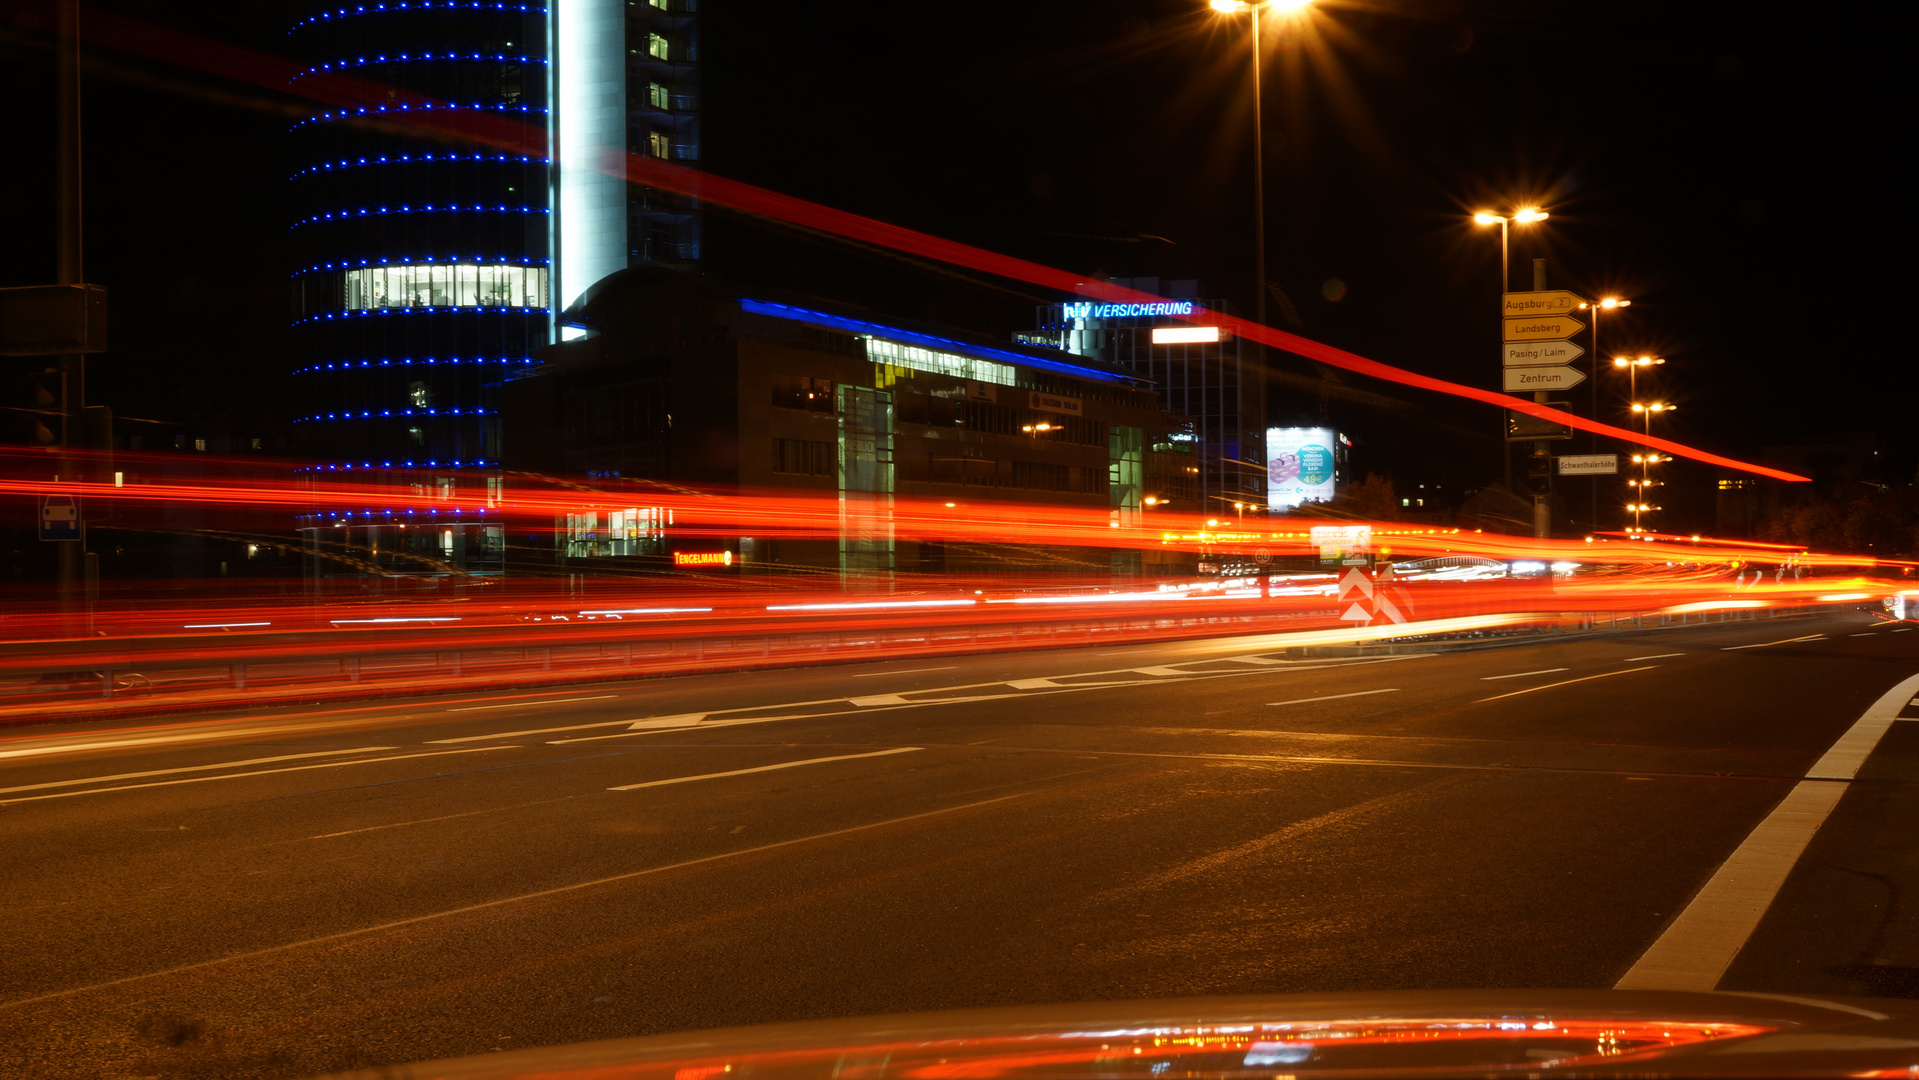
{"x": 432, "y": 267}
{"x": 1199, "y": 371}
{"x": 684, "y": 380}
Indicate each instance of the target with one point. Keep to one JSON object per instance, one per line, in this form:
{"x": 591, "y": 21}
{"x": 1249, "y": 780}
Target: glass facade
{"x": 1208, "y": 381}
{"x": 424, "y": 272}
{"x": 663, "y": 121}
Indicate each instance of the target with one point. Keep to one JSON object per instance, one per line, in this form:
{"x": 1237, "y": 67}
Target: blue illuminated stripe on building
{"x": 344, "y": 114}
{"x": 933, "y": 341}
{"x": 376, "y": 211}
{"x": 362, "y": 61}
{"x": 424, "y": 5}
{"x": 414, "y": 159}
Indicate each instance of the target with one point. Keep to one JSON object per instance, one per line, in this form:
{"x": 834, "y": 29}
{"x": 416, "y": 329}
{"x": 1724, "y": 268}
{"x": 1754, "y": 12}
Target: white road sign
{"x": 1535, "y": 379}
{"x": 1540, "y": 353}
{"x": 1588, "y": 464}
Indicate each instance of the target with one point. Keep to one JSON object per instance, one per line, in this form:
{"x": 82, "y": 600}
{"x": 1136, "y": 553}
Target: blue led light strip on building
{"x": 931, "y": 341}
{"x": 362, "y": 61}
{"x": 377, "y": 211}
{"x": 414, "y": 159}
{"x": 414, "y": 361}
{"x": 348, "y": 114}
{"x": 424, "y": 5}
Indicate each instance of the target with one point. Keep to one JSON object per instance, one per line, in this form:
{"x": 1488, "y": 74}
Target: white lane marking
{"x": 1032, "y": 684}
{"x": 192, "y": 768}
{"x": 1335, "y": 697}
{"x": 1700, "y": 944}
{"x": 1902, "y": 630}
{"x": 908, "y": 671}
{"x": 1522, "y": 674}
{"x": 763, "y": 768}
{"x": 505, "y": 900}
{"x": 532, "y": 731}
{"x": 1781, "y": 641}
{"x": 257, "y": 772}
{"x": 1568, "y": 682}
{"x": 524, "y": 704}
{"x": 1655, "y": 656}
{"x": 431, "y": 820}
{"x": 675, "y": 721}
{"x": 1166, "y": 670}
{"x": 879, "y": 699}
{"x": 1261, "y": 660}
{"x": 1869, "y": 633}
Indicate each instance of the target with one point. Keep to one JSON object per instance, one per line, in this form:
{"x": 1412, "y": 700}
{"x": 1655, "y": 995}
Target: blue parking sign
{"x": 59, "y": 517}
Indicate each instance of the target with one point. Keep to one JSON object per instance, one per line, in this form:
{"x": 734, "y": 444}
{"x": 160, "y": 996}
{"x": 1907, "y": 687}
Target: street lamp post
{"x": 1525, "y": 216}
{"x": 1608, "y": 303}
{"x": 1253, "y": 8}
{"x": 1646, "y": 460}
{"x": 1631, "y": 366}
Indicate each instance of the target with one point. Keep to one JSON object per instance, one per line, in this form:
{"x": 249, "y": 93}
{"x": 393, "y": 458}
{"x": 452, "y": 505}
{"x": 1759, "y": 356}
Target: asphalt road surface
{"x": 293, "y": 891}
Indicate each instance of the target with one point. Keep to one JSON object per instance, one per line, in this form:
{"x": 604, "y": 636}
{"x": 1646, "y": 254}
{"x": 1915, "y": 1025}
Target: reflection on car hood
{"x": 1606, "y": 1033}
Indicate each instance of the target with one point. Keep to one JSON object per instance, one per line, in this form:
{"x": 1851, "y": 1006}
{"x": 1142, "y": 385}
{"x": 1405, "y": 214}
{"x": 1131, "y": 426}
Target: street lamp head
{"x": 1231, "y": 7}
{"x": 1611, "y": 302}
{"x": 1484, "y": 218}
{"x": 1620, "y": 361}
{"x": 1637, "y": 407}
{"x": 1530, "y": 215}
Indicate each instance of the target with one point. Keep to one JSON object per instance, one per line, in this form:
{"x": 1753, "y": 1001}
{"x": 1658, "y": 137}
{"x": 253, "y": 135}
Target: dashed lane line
{"x": 1696, "y": 949}
{"x": 764, "y": 768}
{"x": 192, "y": 768}
{"x": 1335, "y": 697}
{"x": 532, "y": 703}
{"x": 256, "y": 772}
{"x": 1655, "y": 656}
{"x": 1523, "y": 674}
{"x": 1568, "y": 682}
{"x": 1768, "y": 644}
{"x": 908, "y": 671}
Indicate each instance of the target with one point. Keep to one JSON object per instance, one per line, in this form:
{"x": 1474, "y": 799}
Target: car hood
{"x": 1532, "y": 1033}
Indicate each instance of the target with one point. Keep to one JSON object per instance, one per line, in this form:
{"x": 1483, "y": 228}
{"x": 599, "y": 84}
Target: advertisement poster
{"x": 1299, "y": 466}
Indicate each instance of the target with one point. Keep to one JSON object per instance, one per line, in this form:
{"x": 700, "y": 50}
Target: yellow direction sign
{"x": 1542, "y": 328}
{"x": 1518, "y": 305}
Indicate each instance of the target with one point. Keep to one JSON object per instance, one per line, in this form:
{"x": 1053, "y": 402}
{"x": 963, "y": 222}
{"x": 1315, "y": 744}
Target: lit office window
{"x": 459, "y": 285}
{"x": 660, "y": 145}
{"x": 939, "y": 363}
{"x": 656, "y": 47}
{"x": 656, "y": 94}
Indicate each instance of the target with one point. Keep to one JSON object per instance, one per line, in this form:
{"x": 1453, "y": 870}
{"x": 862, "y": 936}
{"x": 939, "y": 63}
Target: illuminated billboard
{"x": 1299, "y": 466}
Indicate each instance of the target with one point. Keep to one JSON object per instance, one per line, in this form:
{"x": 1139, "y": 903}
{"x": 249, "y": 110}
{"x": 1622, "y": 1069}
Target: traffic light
{"x": 35, "y": 409}
{"x": 1539, "y": 473}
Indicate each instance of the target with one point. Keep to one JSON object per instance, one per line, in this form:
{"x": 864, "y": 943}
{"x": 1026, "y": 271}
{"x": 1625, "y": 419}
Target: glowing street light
{"x": 1256, "y": 10}
{"x": 1604, "y": 303}
{"x": 1525, "y": 216}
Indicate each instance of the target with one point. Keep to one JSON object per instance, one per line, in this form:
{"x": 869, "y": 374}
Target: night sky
{"x": 1730, "y": 170}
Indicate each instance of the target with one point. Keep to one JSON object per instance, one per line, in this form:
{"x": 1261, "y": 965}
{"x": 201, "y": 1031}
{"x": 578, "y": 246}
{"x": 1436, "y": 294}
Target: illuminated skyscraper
{"x": 431, "y": 265}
